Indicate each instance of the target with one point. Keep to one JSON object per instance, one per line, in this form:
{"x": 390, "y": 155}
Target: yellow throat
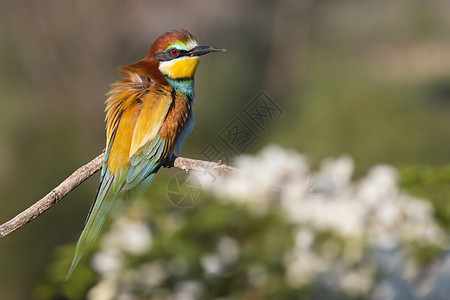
{"x": 183, "y": 67}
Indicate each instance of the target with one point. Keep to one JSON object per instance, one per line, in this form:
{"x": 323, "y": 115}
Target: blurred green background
{"x": 366, "y": 78}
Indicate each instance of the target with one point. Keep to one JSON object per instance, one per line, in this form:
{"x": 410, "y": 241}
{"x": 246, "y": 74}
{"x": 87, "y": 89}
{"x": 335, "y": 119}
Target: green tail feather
{"x": 97, "y": 216}
{"x": 130, "y": 182}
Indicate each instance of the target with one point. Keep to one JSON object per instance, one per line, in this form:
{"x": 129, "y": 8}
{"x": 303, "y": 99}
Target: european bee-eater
{"x": 148, "y": 114}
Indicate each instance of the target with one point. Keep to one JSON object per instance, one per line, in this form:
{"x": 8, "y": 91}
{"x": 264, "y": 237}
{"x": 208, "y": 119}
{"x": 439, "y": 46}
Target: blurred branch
{"x": 86, "y": 171}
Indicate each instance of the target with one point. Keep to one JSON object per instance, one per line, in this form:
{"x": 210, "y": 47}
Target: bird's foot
{"x": 168, "y": 162}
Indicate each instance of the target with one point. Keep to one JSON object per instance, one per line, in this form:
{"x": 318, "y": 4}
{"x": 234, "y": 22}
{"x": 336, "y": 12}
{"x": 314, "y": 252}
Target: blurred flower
{"x": 227, "y": 253}
{"x": 212, "y": 264}
{"x": 108, "y": 261}
{"x": 228, "y": 250}
{"x": 372, "y": 212}
{"x": 335, "y": 174}
{"x": 189, "y": 290}
{"x": 153, "y": 273}
{"x": 259, "y": 178}
{"x": 104, "y": 290}
{"x": 357, "y": 281}
{"x": 352, "y": 236}
{"x": 130, "y": 235}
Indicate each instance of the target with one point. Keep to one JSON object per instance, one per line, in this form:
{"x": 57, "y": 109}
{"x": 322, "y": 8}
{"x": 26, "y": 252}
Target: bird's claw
{"x": 168, "y": 162}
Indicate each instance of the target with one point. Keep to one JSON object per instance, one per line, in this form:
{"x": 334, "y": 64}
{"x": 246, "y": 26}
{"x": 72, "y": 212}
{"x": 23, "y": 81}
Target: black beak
{"x": 202, "y": 50}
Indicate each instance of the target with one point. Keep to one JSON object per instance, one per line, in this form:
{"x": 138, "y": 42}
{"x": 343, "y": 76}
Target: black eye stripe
{"x": 179, "y": 52}
{"x": 167, "y": 55}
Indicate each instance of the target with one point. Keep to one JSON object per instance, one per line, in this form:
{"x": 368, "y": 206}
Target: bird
{"x": 148, "y": 115}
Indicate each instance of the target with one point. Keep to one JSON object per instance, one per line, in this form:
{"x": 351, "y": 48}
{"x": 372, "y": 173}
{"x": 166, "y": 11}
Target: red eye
{"x": 174, "y": 52}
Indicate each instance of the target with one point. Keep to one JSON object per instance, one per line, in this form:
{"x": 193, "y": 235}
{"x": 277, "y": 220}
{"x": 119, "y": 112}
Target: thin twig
{"x": 84, "y": 173}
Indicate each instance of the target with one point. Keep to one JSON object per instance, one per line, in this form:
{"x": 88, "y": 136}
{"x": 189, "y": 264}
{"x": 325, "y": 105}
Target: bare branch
{"x": 53, "y": 197}
{"x": 84, "y": 173}
{"x": 188, "y": 164}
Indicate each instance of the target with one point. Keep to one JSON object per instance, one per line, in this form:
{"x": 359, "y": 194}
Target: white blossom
{"x": 228, "y": 249}
{"x": 106, "y": 289}
{"x": 212, "y": 263}
{"x": 369, "y": 212}
{"x": 337, "y": 222}
{"x": 130, "y": 235}
{"x": 189, "y": 290}
{"x": 108, "y": 261}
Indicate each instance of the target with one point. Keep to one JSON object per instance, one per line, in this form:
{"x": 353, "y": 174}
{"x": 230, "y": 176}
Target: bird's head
{"x": 177, "y": 54}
